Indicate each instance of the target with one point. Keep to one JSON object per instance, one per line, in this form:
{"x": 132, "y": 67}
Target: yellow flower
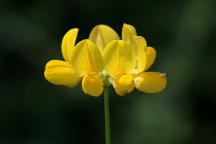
{"x": 83, "y": 60}
{"x": 104, "y": 56}
{"x": 126, "y": 60}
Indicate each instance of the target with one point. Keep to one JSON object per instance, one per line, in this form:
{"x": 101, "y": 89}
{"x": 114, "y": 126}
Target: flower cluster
{"x": 104, "y": 59}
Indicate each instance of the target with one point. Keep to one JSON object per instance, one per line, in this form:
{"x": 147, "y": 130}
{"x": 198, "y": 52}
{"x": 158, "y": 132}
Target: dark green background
{"x": 33, "y": 111}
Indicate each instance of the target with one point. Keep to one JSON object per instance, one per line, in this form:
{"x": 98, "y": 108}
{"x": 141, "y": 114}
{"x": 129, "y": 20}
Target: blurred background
{"x": 33, "y": 111}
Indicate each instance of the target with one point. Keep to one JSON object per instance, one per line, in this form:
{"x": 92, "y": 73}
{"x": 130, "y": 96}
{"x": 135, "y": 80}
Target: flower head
{"x": 82, "y": 61}
{"x": 127, "y": 60}
{"x": 104, "y": 56}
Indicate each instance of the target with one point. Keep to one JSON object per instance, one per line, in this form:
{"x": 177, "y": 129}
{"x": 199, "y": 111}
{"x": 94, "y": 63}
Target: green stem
{"x": 107, "y": 115}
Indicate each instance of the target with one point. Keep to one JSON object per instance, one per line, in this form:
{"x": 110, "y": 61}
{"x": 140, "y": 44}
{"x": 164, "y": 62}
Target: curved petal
{"x": 128, "y": 31}
{"x": 68, "y": 43}
{"x": 150, "y": 57}
{"x": 129, "y": 35}
{"x": 140, "y": 54}
{"x": 86, "y": 58}
{"x": 101, "y": 35}
{"x": 61, "y": 73}
{"x": 150, "y": 82}
{"x": 124, "y": 84}
{"x": 92, "y": 85}
{"x": 118, "y": 58}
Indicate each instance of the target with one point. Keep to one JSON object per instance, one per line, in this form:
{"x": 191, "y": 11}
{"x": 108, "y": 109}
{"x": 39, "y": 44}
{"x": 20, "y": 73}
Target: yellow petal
{"x": 140, "y": 54}
{"x": 92, "y": 85}
{"x": 128, "y": 31}
{"x": 61, "y": 73}
{"x": 101, "y": 35}
{"x": 129, "y": 35}
{"x": 68, "y": 43}
{"x": 150, "y": 82}
{"x": 124, "y": 84}
{"x": 86, "y": 58}
{"x": 118, "y": 58}
{"x": 150, "y": 57}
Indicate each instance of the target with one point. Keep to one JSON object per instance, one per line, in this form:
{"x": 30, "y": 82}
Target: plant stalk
{"x": 107, "y": 115}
